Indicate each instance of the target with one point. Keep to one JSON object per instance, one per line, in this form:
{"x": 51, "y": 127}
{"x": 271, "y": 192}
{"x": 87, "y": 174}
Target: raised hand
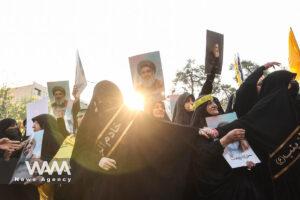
{"x": 271, "y": 64}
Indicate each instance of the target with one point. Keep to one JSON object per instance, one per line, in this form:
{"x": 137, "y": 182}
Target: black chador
{"x": 181, "y": 115}
{"x": 268, "y": 124}
{"x": 211, "y": 177}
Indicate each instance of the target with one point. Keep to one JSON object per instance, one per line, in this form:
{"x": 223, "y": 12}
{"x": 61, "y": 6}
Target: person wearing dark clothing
{"x": 106, "y": 100}
{"x": 9, "y": 129}
{"x": 268, "y": 124}
{"x": 150, "y": 162}
{"x": 52, "y": 138}
{"x": 247, "y": 94}
{"x": 183, "y": 109}
{"x": 200, "y": 113}
{"x": 210, "y": 175}
{"x": 158, "y": 111}
{"x": 207, "y": 87}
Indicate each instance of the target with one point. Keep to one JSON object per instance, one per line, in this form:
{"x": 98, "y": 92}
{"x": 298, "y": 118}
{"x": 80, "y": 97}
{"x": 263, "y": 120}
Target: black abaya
{"x": 268, "y": 124}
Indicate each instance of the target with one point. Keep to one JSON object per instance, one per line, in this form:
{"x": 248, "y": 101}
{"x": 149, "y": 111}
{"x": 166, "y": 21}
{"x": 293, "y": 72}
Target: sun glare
{"x": 134, "y": 100}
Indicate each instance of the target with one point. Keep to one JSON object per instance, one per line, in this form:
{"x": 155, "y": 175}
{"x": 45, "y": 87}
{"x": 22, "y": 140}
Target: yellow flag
{"x": 294, "y": 55}
{"x": 238, "y": 70}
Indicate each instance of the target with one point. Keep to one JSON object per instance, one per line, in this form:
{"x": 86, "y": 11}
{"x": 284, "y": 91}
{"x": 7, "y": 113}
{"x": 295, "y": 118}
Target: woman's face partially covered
{"x": 188, "y": 105}
{"x": 212, "y": 108}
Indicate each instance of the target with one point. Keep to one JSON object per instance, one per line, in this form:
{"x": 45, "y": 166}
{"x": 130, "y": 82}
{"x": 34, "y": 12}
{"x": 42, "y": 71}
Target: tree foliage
{"x": 248, "y": 67}
{"x": 9, "y": 108}
{"x": 192, "y": 77}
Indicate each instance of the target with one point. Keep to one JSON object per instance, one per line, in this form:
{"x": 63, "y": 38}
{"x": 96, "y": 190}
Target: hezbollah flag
{"x": 294, "y": 55}
{"x": 238, "y": 70}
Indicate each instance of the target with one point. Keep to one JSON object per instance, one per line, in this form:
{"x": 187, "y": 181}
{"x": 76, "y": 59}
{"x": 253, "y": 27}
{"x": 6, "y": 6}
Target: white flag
{"x": 80, "y": 81}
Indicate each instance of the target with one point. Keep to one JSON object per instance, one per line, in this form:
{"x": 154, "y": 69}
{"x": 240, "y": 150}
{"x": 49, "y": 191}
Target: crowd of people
{"x": 116, "y": 153}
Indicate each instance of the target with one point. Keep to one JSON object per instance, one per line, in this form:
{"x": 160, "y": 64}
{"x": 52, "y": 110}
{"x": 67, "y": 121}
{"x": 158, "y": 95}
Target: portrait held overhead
{"x": 147, "y": 75}
{"x": 214, "y": 52}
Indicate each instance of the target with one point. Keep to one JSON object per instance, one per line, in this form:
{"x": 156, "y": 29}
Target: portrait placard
{"x": 233, "y": 153}
{"x": 34, "y": 109}
{"x": 147, "y": 75}
{"x": 29, "y": 158}
{"x": 214, "y": 52}
{"x": 62, "y": 85}
{"x": 61, "y": 104}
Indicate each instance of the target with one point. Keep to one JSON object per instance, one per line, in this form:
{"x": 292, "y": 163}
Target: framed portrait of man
{"x": 147, "y": 75}
{"x": 214, "y": 52}
{"x": 59, "y": 95}
{"x": 60, "y": 102}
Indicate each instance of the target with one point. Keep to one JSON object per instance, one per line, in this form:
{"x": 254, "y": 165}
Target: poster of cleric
{"x": 147, "y": 75}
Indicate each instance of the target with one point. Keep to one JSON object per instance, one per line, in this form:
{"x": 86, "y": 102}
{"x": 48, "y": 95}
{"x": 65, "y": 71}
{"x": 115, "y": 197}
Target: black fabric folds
{"x": 247, "y": 95}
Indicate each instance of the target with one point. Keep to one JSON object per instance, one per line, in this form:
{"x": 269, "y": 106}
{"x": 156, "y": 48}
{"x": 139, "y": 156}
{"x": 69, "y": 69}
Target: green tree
{"x": 248, "y": 67}
{"x": 192, "y": 77}
{"x": 10, "y": 108}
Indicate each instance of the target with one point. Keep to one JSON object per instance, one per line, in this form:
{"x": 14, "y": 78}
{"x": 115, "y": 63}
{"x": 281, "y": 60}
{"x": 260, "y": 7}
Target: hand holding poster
{"x": 214, "y": 52}
{"x": 30, "y": 155}
{"x": 233, "y": 153}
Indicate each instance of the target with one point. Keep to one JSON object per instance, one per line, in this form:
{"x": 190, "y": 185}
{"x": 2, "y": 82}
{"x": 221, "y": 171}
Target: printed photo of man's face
{"x": 59, "y": 95}
{"x": 147, "y": 73}
{"x": 216, "y": 50}
{"x": 28, "y": 151}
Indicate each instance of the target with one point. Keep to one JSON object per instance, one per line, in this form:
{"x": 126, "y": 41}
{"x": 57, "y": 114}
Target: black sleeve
{"x": 209, "y": 149}
{"x": 230, "y": 104}
{"x": 253, "y": 78}
{"x": 208, "y": 85}
{"x": 75, "y": 110}
{"x": 62, "y": 127}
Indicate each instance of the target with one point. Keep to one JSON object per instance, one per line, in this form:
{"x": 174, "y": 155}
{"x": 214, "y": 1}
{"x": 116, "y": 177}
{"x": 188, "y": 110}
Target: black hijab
{"x": 181, "y": 115}
{"x": 199, "y": 115}
{"x": 12, "y": 134}
{"x": 273, "y": 117}
{"x": 247, "y": 95}
{"x": 106, "y": 100}
{"x": 52, "y": 138}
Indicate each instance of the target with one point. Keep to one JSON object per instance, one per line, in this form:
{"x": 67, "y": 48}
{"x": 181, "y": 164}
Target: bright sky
{"x": 39, "y": 38}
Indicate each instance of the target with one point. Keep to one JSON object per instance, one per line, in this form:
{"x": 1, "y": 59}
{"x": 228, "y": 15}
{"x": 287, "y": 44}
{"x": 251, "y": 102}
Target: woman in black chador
{"x": 268, "y": 124}
{"x": 212, "y": 177}
{"x": 86, "y": 171}
{"x": 247, "y": 94}
{"x": 183, "y": 110}
{"x": 52, "y": 138}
